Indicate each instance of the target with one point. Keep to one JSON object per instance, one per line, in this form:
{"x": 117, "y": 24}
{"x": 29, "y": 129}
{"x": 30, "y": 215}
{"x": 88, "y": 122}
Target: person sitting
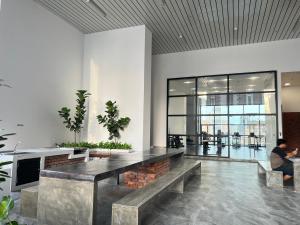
{"x": 280, "y": 159}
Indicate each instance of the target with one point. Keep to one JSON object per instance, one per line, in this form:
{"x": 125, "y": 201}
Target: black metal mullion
{"x": 198, "y": 114}
{"x": 214, "y": 126}
{"x": 167, "y": 128}
{"x": 276, "y": 104}
{"x": 231, "y": 93}
{"x": 228, "y": 105}
{"x": 178, "y": 96}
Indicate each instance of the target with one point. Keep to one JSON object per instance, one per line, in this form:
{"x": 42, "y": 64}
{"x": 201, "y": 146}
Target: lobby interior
{"x": 202, "y": 90}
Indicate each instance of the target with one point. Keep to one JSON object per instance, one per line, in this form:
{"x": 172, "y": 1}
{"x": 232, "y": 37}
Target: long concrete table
{"x": 68, "y": 194}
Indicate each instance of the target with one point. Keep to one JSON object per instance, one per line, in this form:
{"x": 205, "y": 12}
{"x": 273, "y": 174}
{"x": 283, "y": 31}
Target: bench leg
{"x": 178, "y": 187}
{"x": 197, "y": 171}
{"x": 274, "y": 179}
{"x": 260, "y": 170}
{"x": 125, "y": 215}
{"x": 68, "y": 202}
{"x": 29, "y": 203}
{"x": 297, "y": 176}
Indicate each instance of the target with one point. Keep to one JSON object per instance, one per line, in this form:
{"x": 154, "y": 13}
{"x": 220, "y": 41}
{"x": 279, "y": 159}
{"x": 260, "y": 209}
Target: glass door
{"x": 182, "y": 124}
{"x": 233, "y": 115}
{"x": 212, "y": 114}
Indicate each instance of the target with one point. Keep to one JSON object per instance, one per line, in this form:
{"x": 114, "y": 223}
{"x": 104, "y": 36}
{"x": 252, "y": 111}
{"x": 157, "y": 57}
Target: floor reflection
{"x": 233, "y": 153}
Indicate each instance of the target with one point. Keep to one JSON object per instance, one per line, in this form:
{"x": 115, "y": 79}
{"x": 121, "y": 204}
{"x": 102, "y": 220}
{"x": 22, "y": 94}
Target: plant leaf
{"x": 4, "y": 135}
{"x": 12, "y": 223}
{"x": 6, "y": 205}
{"x": 5, "y": 163}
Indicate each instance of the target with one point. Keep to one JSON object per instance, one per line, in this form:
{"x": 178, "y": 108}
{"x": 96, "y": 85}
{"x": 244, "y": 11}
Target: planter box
{"x": 111, "y": 150}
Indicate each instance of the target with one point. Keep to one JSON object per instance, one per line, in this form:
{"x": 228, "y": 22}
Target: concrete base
{"x": 197, "y": 171}
{"x": 260, "y": 170}
{"x": 274, "y": 179}
{"x": 124, "y": 215}
{"x": 29, "y": 201}
{"x": 178, "y": 187}
{"x": 67, "y": 202}
{"x": 127, "y": 211}
{"x": 297, "y": 176}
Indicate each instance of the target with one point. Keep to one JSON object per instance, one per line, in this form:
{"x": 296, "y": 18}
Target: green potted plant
{"x": 75, "y": 125}
{"x": 7, "y": 203}
{"x": 114, "y": 125}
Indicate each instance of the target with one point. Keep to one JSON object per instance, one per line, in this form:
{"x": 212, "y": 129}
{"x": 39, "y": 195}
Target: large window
{"x": 213, "y": 114}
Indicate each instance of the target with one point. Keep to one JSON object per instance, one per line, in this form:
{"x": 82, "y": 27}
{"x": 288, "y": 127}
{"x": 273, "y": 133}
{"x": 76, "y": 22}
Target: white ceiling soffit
{"x": 184, "y": 25}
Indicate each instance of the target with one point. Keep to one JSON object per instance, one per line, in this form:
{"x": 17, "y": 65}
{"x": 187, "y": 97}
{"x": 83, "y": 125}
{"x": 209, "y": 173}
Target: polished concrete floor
{"x": 248, "y": 153}
{"x": 243, "y": 152}
{"x": 227, "y": 193}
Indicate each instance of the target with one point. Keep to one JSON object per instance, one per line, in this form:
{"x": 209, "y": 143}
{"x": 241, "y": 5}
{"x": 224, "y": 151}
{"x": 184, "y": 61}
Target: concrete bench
{"x": 127, "y": 211}
{"x": 274, "y": 179}
{"x": 29, "y": 199}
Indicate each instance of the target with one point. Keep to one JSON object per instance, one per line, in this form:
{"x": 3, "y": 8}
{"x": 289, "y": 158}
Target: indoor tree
{"x": 112, "y": 121}
{"x": 75, "y": 125}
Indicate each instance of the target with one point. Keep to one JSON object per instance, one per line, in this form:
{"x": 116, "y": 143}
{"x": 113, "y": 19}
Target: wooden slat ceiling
{"x": 184, "y": 25}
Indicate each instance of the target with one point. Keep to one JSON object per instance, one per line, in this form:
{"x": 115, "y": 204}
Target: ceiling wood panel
{"x": 185, "y": 25}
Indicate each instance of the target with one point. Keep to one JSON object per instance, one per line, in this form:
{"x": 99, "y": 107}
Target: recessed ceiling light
{"x": 180, "y": 36}
{"x": 201, "y": 92}
{"x": 172, "y": 90}
{"x": 211, "y": 81}
{"x": 215, "y": 87}
{"x": 188, "y": 82}
{"x": 216, "y": 91}
{"x": 251, "y": 85}
{"x": 287, "y": 84}
{"x": 235, "y": 28}
{"x": 249, "y": 89}
{"x": 253, "y": 78}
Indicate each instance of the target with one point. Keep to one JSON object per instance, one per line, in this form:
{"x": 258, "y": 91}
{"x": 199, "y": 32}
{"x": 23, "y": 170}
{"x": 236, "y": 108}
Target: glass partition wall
{"x": 230, "y": 115}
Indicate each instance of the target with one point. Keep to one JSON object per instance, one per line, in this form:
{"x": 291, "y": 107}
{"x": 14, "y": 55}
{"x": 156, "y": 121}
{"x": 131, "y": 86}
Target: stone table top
{"x": 101, "y": 169}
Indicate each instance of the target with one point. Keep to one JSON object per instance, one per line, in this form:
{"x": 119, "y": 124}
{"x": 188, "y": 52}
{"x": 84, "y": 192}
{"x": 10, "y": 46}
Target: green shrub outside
{"x": 104, "y": 145}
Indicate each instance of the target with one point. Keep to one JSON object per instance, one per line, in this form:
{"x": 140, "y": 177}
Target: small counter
{"x": 27, "y": 163}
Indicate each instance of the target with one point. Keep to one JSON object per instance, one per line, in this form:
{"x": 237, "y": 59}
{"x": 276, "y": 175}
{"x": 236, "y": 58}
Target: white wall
{"x": 41, "y": 57}
{"x": 147, "y": 90}
{"x": 290, "y": 99}
{"x": 282, "y": 56}
{"x": 117, "y": 67}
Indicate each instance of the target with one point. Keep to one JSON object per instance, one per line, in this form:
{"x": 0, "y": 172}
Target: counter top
{"x": 40, "y": 152}
{"x": 103, "y": 168}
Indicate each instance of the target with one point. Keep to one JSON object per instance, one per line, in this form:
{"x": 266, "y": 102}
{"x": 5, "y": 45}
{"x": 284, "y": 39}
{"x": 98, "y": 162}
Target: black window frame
{"x": 196, "y": 95}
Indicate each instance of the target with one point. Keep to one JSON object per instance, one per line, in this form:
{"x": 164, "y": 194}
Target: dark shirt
{"x": 277, "y": 157}
{"x": 279, "y": 152}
